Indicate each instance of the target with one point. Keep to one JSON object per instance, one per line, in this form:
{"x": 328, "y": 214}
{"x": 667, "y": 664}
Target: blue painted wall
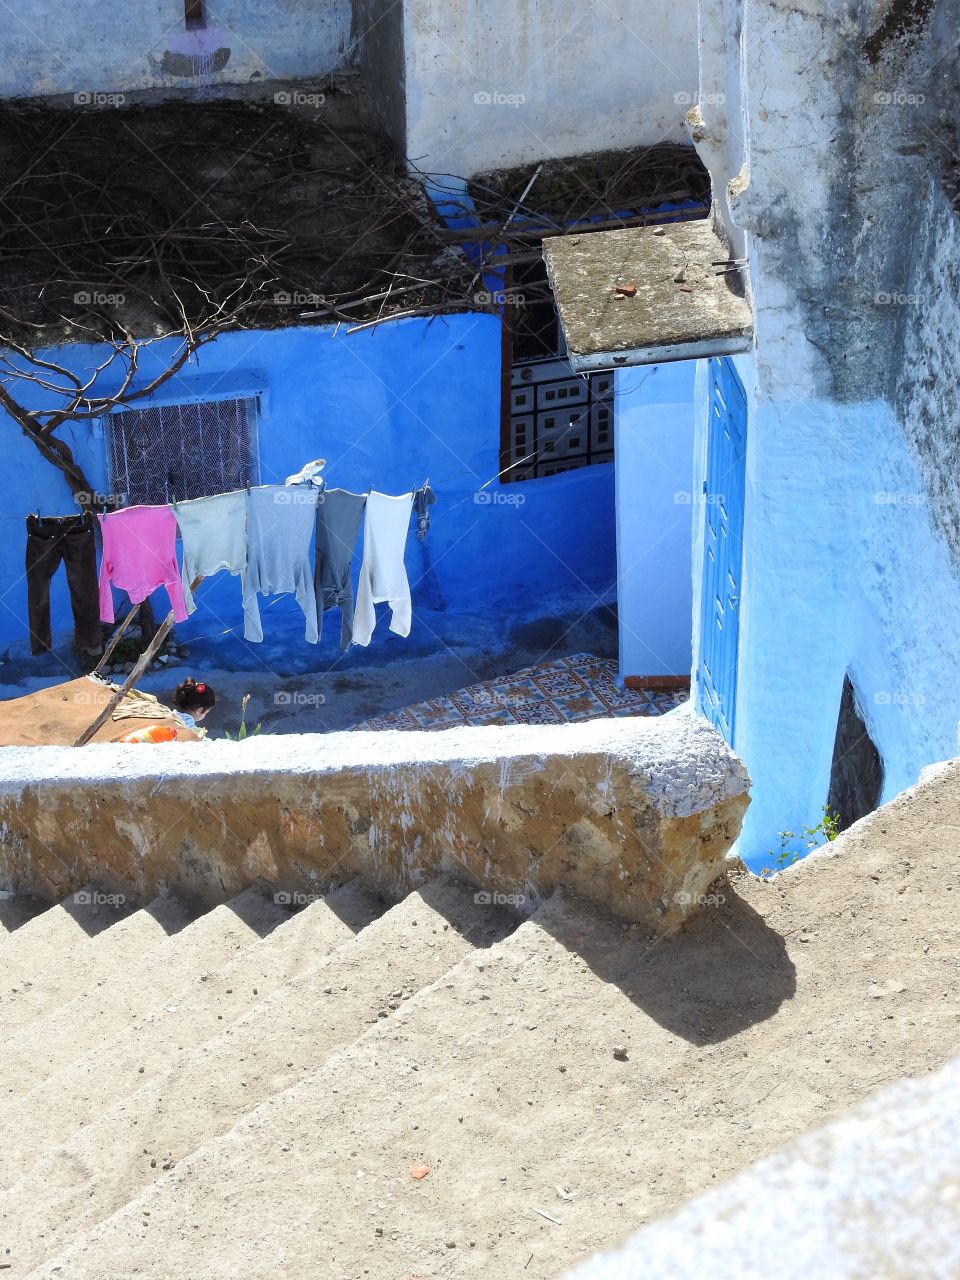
{"x": 843, "y": 574}
{"x": 388, "y": 408}
{"x": 654, "y": 465}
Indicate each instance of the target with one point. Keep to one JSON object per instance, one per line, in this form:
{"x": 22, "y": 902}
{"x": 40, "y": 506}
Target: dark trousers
{"x": 68, "y": 539}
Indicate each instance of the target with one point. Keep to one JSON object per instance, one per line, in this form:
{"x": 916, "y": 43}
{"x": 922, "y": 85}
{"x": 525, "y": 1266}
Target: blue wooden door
{"x": 723, "y": 546}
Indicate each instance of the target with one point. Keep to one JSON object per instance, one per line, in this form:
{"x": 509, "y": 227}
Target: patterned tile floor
{"x": 578, "y": 687}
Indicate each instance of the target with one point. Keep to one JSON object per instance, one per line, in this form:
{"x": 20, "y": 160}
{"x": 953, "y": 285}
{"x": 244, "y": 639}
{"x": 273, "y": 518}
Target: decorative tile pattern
{"x": 578, "y": 687}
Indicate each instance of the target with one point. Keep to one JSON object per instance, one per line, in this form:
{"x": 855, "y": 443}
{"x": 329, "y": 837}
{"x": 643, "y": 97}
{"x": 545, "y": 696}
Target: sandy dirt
{"x": 299, "y": 688}
{"x": 779, "y": 1008}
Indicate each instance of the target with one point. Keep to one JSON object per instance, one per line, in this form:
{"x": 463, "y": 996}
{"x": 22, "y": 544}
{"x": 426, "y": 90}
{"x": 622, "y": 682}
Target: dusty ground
{"x": 785, "y": 1005}
{"x": 299, "y": 688}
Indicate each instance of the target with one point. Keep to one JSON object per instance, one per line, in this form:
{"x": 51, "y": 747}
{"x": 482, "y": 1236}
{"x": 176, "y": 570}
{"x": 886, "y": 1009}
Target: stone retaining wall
{"x": 635, "y": 814}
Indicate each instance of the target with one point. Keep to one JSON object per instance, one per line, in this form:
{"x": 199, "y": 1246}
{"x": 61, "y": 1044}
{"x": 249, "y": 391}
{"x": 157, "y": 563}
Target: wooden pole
{"x": 142, "y": 663}
{"x": 115, "y": 639}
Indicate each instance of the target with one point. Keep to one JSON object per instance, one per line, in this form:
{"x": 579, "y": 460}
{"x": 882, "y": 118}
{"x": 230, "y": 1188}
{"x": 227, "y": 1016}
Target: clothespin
{"x": 423, "y": 500}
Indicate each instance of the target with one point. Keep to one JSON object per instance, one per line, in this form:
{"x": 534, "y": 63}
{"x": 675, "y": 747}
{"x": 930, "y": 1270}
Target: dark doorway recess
{"x": 856, "y": 775}
{"x": 195, "y": 14}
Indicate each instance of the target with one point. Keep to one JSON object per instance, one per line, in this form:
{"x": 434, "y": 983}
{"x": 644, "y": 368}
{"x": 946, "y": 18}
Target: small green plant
{"x": 827, "y": 829}
{"x": 243, "y": 731}
{"x": 129, "y": 649}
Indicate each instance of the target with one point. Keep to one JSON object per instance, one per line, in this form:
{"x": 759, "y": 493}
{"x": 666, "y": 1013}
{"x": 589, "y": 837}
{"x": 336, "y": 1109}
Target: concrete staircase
{"x": 16, "y": 910}
{"x": 82, "y": 940}
{"x": 432, "y": 1089}
{"x": 124, "y": 1079}
{"x": 268, "y": 1119}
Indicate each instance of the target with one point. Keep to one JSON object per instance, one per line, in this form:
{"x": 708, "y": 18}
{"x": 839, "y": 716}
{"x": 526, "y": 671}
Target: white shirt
{"x": 383, "y": 576}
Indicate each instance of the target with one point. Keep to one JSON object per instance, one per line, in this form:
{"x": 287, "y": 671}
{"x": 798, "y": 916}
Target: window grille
{"x": 172, "y": 452}
{"x": 556, "y": 420}
{"x": 559, "y": 421}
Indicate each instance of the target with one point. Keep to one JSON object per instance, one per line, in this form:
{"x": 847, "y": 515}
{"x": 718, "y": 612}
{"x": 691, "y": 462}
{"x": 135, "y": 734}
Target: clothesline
{"x": 260, "y": 533}
{"x": 160, "y": 506}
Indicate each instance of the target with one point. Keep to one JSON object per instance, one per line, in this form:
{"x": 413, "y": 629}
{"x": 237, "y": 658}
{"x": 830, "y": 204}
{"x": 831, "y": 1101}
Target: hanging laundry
{"x": 308, "y": 474}
{"x": 423, "y": 500}
{"x": 383, "y": 577}
{"x": 280, "y": 524}
{"x": 338, "y": 522}
{"x": 214, "y": 533}
{"x": 139, "y": 555}
{"x": 68, "y": 540}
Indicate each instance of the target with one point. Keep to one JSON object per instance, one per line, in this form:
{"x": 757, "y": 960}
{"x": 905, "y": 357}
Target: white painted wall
{"x": 716, "y": 120}
{"x": 851, "y": 559}
{"x": 379, "y": 50}
{"x": 494, "y": 85}
{"x": 84, "y": 46}
{"x": 654, "y": 452}
{"x": 929, "y": 372}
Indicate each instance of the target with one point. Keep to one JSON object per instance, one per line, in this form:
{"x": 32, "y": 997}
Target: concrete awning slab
{"x": 685, "y": 305}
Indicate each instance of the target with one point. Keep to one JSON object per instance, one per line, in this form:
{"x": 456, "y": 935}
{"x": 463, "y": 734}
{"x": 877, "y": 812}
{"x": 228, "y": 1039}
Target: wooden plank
{"x": 115, "y": 639}
{"x": 658, "y": 684}
{"x": 142, "y": 663}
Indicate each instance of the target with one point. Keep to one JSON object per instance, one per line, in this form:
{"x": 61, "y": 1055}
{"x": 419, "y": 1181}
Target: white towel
{"x": 383, "y": 577}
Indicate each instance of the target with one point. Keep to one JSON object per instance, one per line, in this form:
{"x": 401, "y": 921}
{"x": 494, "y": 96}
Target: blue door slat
{"x": 723, "y": 547}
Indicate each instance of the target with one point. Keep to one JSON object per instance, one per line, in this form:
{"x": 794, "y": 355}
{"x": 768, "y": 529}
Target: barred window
{"x": 172, "y": 452}
{"x": 554, "y": 420}
{"x": 558, "y": 421}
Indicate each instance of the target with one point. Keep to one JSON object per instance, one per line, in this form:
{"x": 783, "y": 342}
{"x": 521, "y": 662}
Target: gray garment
{"x": 214, "y": 534}
{"x": 338, "y": 522}
{"x": 279, "y": 530}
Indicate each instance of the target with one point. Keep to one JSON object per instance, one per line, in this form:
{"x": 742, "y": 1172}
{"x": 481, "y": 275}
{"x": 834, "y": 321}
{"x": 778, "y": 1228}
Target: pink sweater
{"x": 139, "y": 555}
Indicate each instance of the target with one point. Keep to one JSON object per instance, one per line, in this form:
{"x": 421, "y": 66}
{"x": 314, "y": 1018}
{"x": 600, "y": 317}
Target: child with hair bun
{"x": 193, "y": 701}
